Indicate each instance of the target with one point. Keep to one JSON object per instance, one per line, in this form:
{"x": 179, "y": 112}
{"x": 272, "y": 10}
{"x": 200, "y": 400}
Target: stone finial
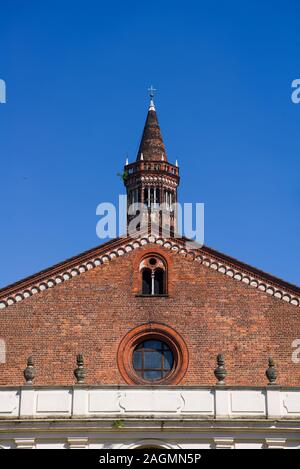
{"x": 220, "y": 371}
{"x": 79, "y": 372}
{"x": 271, "y": 372}
{"x": 29, "y": 372}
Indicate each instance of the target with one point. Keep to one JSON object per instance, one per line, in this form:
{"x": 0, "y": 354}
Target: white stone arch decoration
{"x": 151, "y": 442}
{"x": 2, "y": 351}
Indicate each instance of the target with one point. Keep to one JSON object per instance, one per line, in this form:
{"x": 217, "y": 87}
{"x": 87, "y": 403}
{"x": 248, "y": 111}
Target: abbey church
{"x": 185, "y": 346}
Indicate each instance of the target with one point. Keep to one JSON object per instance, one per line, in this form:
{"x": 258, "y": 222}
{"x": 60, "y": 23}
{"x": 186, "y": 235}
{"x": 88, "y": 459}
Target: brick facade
{"x": 91, "y": 313}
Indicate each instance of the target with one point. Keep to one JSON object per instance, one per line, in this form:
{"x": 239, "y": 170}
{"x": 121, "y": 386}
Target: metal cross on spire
{"x": 151, "y": 91}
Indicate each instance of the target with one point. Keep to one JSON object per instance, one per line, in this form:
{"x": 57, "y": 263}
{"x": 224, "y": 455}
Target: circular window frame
{"x": 152, "y": 332}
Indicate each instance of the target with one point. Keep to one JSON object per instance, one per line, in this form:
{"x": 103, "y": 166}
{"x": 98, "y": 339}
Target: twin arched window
{"x": 153, "y": 271}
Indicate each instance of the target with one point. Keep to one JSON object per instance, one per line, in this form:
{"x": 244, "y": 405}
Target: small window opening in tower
{"x": 157, "y": 199}
{"x": 151, "y": 197}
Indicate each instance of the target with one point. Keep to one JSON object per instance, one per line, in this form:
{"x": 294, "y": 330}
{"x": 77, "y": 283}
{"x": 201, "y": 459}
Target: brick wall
{"x": 91, "y": 313}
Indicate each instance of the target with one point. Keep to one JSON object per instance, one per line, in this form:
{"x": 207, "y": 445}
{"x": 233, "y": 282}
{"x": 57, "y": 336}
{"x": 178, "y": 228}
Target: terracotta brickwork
{"x": 92, "y": 313}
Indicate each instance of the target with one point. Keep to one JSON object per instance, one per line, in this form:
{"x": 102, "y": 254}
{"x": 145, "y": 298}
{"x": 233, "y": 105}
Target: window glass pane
{"x": 152, "y": 360}
{"x": 146, "y": 289}
{"x": 168, "y": 363}
{"x": 152, "y": 375}
{"x": 153, "y": 344}
{"x": 159, "y": 282}
{"x": 137, "y": 360}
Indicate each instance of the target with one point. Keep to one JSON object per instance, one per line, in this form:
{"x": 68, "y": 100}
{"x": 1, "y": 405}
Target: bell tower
{"x": 151, "y": 180}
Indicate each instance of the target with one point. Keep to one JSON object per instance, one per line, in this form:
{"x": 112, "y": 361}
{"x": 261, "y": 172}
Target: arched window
{"x": 153, "y": 360}
{"x": 152, "y": 354}
{"x": 153, "y": 270}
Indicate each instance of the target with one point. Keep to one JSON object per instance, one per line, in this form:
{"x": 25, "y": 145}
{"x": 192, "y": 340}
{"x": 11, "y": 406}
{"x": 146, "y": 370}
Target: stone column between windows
{"x": 152, "y": 282}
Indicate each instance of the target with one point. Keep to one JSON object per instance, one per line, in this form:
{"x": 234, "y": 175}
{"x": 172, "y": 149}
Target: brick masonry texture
{"x": 91, "y": 313}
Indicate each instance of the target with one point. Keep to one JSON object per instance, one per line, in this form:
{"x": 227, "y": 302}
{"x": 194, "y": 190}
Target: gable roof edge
{"x": 94, "y": 257}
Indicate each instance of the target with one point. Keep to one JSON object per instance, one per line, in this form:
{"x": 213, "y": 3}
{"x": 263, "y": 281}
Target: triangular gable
{"x": 206, "y": 256}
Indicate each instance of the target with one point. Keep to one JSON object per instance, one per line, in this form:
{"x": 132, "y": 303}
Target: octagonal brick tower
{"x": 151, "y": 180}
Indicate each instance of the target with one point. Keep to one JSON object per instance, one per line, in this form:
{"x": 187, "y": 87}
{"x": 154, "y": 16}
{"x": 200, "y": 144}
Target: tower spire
{"x": 152, "y": 147}
{"x": 151, "y": 180}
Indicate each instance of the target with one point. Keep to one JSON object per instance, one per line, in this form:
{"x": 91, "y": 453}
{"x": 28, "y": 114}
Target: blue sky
{"x": 77, "y": 75}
